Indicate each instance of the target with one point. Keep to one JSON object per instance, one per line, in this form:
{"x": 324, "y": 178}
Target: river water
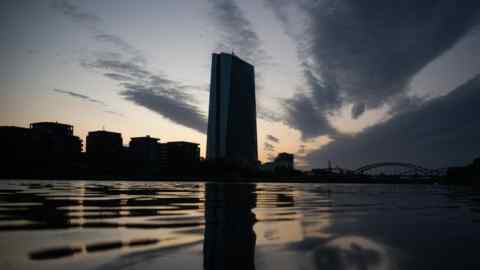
{"x": 173, "y": 225}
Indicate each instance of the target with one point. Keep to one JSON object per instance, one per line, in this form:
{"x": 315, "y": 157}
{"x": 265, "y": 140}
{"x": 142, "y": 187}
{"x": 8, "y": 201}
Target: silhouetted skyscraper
{"x": 232, "y": 124}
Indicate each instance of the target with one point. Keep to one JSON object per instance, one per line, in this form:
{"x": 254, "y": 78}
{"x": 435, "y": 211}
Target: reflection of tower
{"x": 229, "y": 237}
{"x": 232, "y": 126}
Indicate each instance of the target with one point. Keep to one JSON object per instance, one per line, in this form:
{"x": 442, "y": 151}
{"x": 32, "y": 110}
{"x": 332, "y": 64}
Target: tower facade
{"x": 232, "y": 121}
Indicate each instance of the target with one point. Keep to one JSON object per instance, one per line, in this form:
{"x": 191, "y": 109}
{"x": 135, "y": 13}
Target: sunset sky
{"x": 349, "y": 81}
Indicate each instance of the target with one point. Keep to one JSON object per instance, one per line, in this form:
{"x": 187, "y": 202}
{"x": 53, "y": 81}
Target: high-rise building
{"x": 104, "y": 143}
{"x": 232, "y": 124}
{"x": 15, "y": 146}
{"x": 104, "y": 148}
{"x": 144, "y": 149}
{"x": 182, "y": 156}
{"x": 44, "y": 149}
{"x": 55, "y": 140}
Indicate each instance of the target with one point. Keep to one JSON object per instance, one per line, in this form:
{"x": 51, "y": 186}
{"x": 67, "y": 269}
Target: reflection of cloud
{"x": 351, "y": 252}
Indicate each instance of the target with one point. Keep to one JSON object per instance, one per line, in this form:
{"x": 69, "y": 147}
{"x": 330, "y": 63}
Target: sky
{"x": 354, "y": 82}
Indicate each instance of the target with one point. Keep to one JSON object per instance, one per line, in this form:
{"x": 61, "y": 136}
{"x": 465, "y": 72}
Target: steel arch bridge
{"x": 409, "y": 168}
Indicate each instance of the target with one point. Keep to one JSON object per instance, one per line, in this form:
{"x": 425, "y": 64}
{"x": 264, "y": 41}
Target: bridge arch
{"x": 412, "y": 167}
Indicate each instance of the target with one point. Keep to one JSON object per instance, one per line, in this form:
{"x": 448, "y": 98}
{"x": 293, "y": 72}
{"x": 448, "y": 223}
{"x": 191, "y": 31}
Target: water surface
{"x": 172, "y": 225}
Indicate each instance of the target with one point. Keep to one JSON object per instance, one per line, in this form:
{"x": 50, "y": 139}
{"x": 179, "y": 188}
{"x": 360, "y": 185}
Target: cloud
{"x": 365, "y": 53}
{"x": 126, "y": 65}
{"x": 80, "y": 96}
{"x": 74, "y": 12}
{"x": 302, "y": 114}
{"x": 442, "y": 132}
{"x": 357, "y": 110}
{"x": 302, "y": 149}
{"x": 119, "y": 68}
{"x": 237, "y": 32}
{"x": 267, "y": 114}
{"x": 272, "y": 138}
{"x": 118, "y": 42}
{"x": 152, "y": 91}
{"x": 171, "y": 108}
{"x": 268, "y": 147}
{"x": 114, "y": 113}
{"x": 88, "y": 99}
{"x": 117, "y": 77}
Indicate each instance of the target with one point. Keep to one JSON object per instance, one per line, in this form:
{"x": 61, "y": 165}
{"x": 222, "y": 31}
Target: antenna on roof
{"x": 233, "y": 52}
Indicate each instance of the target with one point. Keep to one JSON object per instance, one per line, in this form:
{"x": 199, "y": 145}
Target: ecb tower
{"x": 232, "y": 121}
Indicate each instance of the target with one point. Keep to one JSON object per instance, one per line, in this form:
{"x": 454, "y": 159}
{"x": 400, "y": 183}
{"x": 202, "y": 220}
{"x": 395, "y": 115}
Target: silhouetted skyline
{"x": 334, "y": 78}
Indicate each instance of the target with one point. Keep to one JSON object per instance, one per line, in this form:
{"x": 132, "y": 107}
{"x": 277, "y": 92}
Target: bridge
{"x": 397, "y": 169}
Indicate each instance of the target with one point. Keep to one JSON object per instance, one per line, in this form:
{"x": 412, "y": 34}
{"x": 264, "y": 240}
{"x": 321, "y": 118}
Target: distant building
{"x": 104, "y": 144}
{"x": 55, "y": 141}
{"x": 15, "y": 144}
{"x": 232, "y": 126}
{"x": 182, "y": 155}
{"x": 53, "y": 128}
{"x": 144, "y": 149}
{"x": 285, "y": 160}
{"x": 104, "y": 149}
{"x": 268, "y": 167}
{"x": 46, "y": 148}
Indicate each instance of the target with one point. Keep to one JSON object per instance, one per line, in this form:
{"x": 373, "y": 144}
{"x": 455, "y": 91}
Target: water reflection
{"x": 229, "y": 241}
{"x": 146, "y": 225}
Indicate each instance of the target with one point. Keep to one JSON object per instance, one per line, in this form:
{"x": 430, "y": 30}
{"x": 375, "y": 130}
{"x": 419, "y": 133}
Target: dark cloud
{"x": 267, "y": 114}
{"x": 126, "y": 65}
{"x": 121, "y": 68}
{"x": 268, "y": 147}
{"x": 116, "y": 41}
{"x": 154, "y": 92}
{"x": 302, "y": 149}
{"x": 88, "y": 99}
{"x": 357, "y": 110}
{"x": 301, "y": 114}
{"x": 272, "y": 138}
{"x": 366, "y": 52}
{"x": 237, "y": 33}
{"x": 443, "y": 132}
{"x": 74, "y": 12}
{"x": 117, "y": 77}
{"x": 171, "y": 108}
{"x": 404, "y": 103}
{"x": 80, "y": 96}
